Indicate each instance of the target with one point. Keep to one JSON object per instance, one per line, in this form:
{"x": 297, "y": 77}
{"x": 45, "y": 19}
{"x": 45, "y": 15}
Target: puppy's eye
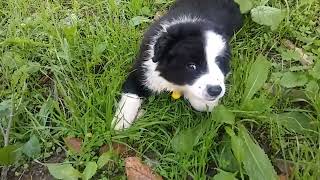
{"x": 192, "y": 66}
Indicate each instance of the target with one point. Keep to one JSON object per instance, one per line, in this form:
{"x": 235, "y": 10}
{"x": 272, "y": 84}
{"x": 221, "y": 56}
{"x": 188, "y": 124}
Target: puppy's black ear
{"x": 172, "y": 36}
{"x": 162, "y": 47}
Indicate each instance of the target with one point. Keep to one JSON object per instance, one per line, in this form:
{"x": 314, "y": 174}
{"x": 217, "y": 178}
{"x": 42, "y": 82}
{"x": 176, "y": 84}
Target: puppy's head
{"x": 194, "y": 59}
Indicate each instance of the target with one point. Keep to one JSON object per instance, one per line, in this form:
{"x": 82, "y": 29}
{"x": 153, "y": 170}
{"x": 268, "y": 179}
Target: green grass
{"x": 62, "y": 64}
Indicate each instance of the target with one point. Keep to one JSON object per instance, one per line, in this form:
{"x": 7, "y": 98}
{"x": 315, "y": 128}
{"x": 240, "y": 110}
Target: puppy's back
{"x": 224, "y": 14}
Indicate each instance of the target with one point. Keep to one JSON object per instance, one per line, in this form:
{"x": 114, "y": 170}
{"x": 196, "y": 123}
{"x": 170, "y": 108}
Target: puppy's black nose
{"x": 214, "y": 90}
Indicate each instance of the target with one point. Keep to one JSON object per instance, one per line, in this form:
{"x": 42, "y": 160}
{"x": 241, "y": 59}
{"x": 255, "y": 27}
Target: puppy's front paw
{"x": 120, "y": 123}
{"x": 127, "y": 111}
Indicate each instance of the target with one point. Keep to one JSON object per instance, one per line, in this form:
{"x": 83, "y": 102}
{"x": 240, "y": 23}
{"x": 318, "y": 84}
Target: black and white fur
{"x": 186, "y": 50}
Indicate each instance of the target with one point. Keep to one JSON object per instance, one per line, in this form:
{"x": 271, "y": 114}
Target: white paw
{"x": 127, "y": 111}
{"x": 120, "y": 123}
{"x": 140, "y": 113}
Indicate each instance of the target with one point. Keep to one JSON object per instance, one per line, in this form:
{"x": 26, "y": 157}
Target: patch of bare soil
{"x": 35, "y": 171}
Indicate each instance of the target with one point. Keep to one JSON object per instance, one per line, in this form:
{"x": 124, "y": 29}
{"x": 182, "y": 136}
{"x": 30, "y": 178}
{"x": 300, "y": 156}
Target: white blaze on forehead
{"x": 215, "y": 45}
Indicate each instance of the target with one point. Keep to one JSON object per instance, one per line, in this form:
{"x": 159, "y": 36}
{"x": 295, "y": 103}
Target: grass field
{"x": 62, "y": 64}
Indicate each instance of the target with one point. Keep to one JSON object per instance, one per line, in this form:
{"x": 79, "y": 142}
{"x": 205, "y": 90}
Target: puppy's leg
{"x": 127, "y": 111}
{"x": 131, "y": 100}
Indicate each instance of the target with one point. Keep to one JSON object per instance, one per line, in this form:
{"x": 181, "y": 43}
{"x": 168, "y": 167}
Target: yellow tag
{"x": 176, "y": 94}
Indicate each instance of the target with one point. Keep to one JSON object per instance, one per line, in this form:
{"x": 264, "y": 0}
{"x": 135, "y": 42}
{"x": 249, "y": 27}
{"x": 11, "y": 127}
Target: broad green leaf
{"x": 268, "y": 16}
{"x": 9, "y": 155}
{"x": 63, "y": 171}
{"x": 290, "y": 55}
{"x": 296, "y": 122}
{"x": 313, "y": 86}
{"x": 293, "y": 79}
{"x": 315, "y": 72}
{"x": 32, "y": 148}
{"x": 226, "y": 160}
{"x": 222, "y": 175}
{"x": 245, "y": 5}
{"x": 145, "y": 11}
{"x": 33, "y": 67}
{"x": 104, "y": 159}
{"x": 90, "y": 170}
{"x": 184, "y": 141}
{"x": 255, "y": 161}
{"x": 138, "y": 20}
{"x": 297, "y": 68}
{"x": 312, "y": 90}
{"x": 260, "y": 104}
{"x": 236, "y": 144}
{"x": 257, "y": 77}
{"x": 5, "y": 108}
{"x": 223, "y": 115}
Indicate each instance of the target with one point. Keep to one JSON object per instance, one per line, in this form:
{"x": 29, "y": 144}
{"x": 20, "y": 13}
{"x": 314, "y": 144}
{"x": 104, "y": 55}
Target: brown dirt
{"x": 35, "y": 171}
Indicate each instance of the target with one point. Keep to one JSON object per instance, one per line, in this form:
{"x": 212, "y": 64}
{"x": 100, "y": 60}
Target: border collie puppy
{"x": 186, "y": 50}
